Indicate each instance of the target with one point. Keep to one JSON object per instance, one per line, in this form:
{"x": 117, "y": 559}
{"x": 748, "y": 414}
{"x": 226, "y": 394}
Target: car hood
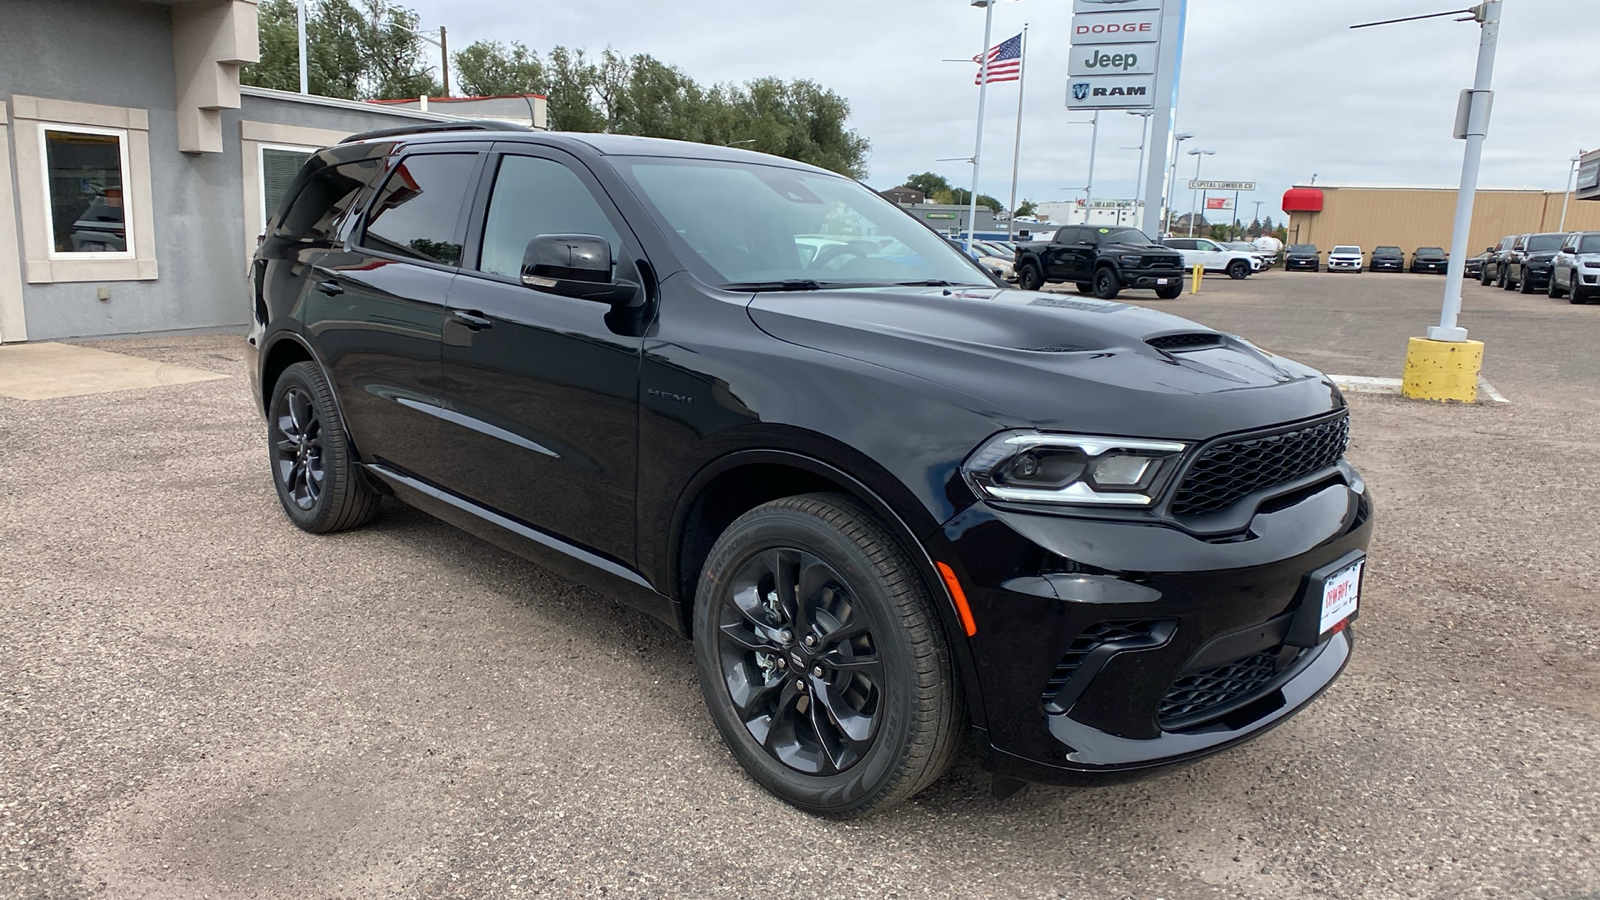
{"x": 1542, "y": 255}
{"x": 1346, "y": 256}
{"x": 1058, "y": 363}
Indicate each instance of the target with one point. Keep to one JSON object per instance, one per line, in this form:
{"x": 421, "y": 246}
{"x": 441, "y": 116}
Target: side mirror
{"x": 577, "y": 266}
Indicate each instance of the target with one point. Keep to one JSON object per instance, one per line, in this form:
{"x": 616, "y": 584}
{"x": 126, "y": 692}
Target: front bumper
{"x": 1387, "y": 265}
{"x": 1348, "y": 265}
{"x": 1112, "y": 646}
{"x": 1439, "y": 267}
{"x": 1151, "y": 278}
{"x": 1301, "y": 264}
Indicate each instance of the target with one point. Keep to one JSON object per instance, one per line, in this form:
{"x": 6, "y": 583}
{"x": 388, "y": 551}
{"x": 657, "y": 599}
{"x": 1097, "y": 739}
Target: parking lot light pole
{"x": 1198, "y": 155}
{"x": 1171, "y": 194}
{"x": 1571, "y": 171}
{"x": 983, "y": 96}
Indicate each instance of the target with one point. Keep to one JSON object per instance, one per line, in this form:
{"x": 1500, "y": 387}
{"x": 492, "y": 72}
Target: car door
{"x": 1566, "y": 262}
{"x": 1185, "y": 248}
{"x": 1210, "y": 254}
{"x": 1062, "y": 256}
{"x": 541, "y": 391}
{"x": 376, "y": 309}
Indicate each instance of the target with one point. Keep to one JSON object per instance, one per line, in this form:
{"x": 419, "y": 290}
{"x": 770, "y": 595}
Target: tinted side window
{"x": 534, "y": 196}
{"x": 1067, "y": 235}
{"x": 324, "y": 199}
{"x": 417, "y": 212}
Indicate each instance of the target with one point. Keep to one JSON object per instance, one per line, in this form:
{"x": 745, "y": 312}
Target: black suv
{"x": 1101, "y": 261}
{"x": 897, "y": 508}
{"x": 1302, "y": 256}
{"x": 1529, "y": 266}
{"x": 1387, "y": 259}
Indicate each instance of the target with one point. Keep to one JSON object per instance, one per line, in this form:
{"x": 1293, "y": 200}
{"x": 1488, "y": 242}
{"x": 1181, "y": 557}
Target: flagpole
{"x": 983, "y": 96}
{"x": 1016, "y": 153}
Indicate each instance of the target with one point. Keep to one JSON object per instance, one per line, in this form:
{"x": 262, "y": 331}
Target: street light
{"x": 1171, "y": 192}
{"x": 1194, "y": 204}
{"x": 1138, "y": 178}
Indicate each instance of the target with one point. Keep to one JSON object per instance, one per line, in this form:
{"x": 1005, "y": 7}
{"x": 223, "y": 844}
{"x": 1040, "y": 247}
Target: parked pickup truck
{"x": 1102, "y": 261}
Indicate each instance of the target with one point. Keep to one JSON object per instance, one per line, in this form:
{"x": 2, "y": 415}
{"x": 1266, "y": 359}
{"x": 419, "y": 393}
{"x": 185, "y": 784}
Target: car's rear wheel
{"x": 1238, "y": 269}
{"x": 1029, "y": 278}
{"x": 821, "y": 657}
{"x": 1525, "y": 286}
{"x": 1505, "y": 280}
{"x": 1483, "y": 277}
{"x": 1106, "y": 283}
{"x": 313, "y": 466}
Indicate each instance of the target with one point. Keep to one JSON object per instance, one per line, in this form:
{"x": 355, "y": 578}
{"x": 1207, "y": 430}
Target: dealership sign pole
{"x": 983, "y": 96}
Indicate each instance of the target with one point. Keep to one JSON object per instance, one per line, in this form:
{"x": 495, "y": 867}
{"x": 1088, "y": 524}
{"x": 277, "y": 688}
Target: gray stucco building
{"x": 135, "y": 172}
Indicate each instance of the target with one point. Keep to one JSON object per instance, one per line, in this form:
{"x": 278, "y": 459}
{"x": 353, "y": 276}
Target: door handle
{"x": 330, "y": 287}
{"x": 474, "y": 320}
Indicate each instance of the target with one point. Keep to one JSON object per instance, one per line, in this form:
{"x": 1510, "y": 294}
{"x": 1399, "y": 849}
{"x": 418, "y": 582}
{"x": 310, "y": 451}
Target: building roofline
{"x": 1368, "y": 186}
{"x": 432, "y": 100}
{"x": 339, "y": 103}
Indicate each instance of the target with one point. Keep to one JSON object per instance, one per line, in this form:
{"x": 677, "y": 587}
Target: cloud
{"x": 1279, "y": 90}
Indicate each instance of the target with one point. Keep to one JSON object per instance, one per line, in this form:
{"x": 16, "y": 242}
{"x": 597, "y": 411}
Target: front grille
{"x": 1225, "y": 473}
{"x": 1195, "y": 694}
{"x": 1174, "y": 343}
{"x": 1093, "y": 638}
{"x": 1161, "y": 262}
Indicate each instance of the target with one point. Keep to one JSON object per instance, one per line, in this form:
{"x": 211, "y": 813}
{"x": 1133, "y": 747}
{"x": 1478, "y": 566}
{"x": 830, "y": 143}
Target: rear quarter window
{"x": 324, "y": 197}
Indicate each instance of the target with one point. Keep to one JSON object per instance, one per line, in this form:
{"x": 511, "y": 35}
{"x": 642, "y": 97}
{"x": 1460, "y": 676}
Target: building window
{"x": 85, "y": 172}
{"x": 279, "y": 166}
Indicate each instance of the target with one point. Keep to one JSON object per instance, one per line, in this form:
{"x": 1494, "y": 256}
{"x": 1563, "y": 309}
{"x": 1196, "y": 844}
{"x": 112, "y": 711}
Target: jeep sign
{"x": 1112, "y": 59}
{"x": 1143, "y": 27}
{"x": 1111, "y": 92}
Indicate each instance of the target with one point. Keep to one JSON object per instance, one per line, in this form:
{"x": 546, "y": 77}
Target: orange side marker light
{"x": 960, "y": 598}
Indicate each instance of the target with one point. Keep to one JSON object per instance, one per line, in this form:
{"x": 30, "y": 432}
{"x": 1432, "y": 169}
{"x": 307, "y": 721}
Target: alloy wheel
{"x": 297, "y": 448}
{"x": 800, "y": 662}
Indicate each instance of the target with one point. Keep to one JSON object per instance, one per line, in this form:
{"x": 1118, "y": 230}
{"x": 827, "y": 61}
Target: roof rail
{"x": 474, "y": 125}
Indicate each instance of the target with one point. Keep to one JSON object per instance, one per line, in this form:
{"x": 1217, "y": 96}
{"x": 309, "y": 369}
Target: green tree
{"x": 394, "y": 53}
{"x": 279, "y": 67}
{"x": 368, "y": 51}
{"x": 928, "y": 182}
{"x": 963, "y": 197}
{"x": 491, "y": 69}
{"x": 571, "y": 80}
{"x": 1027, "y": 208}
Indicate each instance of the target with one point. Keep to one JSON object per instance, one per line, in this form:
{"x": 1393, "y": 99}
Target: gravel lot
{"x": 197, "y": 700}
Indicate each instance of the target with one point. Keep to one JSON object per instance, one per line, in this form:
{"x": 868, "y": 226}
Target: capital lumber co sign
{"x": 1221, "y": 185}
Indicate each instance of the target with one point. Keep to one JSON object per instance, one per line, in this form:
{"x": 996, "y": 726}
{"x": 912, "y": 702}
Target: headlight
{"x": 1029, "y": 467}
{"x": 1129, "y": 259}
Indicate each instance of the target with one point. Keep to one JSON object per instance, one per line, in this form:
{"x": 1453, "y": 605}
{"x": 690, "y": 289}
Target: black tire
{"x": 1525, "y": 286}
{"x": 1238, "y": 270}
{"x": 1084, "y": 287}
{"x": 1029, "y": 278}
{"x": 1553, "y": 290}
{"x": 313, "y": 466}
{"x": 1577, "y": 297}
{"x": 838, "y": 553}
{"x": 1106, "y": 283}
{"x": 1483, "y": 276}
{"x": 1170, "y": 293}
{"x": 1505, "y": 279}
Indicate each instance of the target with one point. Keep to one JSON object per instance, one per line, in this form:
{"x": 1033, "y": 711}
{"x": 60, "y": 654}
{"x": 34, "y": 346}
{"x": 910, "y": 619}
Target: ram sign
{"x": 1111, "y": 92}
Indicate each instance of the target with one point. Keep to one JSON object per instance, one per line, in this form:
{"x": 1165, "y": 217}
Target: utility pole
{"x": 1094, "y": 141}
{"x": 1258, "y": 213}
{"x": 444, "y": 59}
{"x": 1171, "y": 192}
{"x": 1194, "y": 202}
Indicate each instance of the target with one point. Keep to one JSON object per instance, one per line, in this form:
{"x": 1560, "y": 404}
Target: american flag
{"x": 1005, "y": 62}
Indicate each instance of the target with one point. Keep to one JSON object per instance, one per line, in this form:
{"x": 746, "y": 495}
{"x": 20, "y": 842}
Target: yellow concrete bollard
{"x": 1199, "y": 273}
{"x": 1442, "y": 370}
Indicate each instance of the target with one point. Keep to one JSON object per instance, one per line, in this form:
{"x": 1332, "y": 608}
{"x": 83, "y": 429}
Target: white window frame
{"x": 121, "y": 134}
{"x": 261, "y": 174}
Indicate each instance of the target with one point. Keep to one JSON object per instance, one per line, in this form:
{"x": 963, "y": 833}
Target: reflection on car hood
{"x": 1060, "y": 363}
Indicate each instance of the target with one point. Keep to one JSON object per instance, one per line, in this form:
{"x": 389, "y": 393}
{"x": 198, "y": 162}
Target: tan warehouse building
{"x": 1410, "y": 217}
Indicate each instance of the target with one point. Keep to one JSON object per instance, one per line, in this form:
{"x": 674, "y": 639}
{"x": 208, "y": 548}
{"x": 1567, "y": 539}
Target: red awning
{"x": 1302, "y": 200}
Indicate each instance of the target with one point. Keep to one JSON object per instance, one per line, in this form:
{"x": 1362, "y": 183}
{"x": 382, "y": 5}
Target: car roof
{"x": 602, "y": 144}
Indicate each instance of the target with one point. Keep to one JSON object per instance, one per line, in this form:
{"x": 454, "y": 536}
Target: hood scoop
{"x": 1182, "y": 341}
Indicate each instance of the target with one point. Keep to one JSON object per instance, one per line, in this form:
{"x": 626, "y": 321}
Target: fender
{"x": 264, "y": 398}
{"x": 915, "y": 546}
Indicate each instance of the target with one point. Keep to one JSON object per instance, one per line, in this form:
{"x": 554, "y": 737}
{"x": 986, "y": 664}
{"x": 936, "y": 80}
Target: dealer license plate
{"x": 1340, "y": 594}
{"x": 1162, "y": 280}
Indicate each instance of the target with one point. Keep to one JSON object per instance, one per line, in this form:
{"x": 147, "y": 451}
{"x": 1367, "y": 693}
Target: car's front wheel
{"x": 1525, "y": 286}
{"x": 1553, "y": 289}
{"x": 1106, "y": 283}
{"x": 822, "y": 659}
{"x": 1170, "y": 293}
{"x": 313, "y": 465}
{"x": 1238, "y": 269}
{"x": 1029, "y": 278}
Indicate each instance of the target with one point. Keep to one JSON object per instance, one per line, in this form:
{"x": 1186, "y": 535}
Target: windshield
{"x": 1430, "y": 251}
{"x": 1124, "y": 236}
{"x": 1351, "y": 250}
{"x": 781, "y": 228}
{"x": 1589, "y": 243}
{"x": 1386, "y": 251}
{"x": 1546, "y": 242}
{"x": 1302, "y": 248}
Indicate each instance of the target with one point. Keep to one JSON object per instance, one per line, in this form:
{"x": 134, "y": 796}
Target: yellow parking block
{"x": 1442, "y": 370}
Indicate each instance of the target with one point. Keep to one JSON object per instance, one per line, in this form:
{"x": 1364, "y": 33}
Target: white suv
{"x": 1345, "y": 258}
{"x": 1215, "y": 257}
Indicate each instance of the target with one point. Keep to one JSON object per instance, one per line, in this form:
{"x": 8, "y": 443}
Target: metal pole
{"x": 1194, "y": 201}
{"x": 1571, "y": 171}
{"x": 1171, "y": 192}
{"x": 1236, "y": 215}
{"x": 983, "y": 96}
{"x": 444, "y": 59}
{"x": 1138, "y": 175}
{"x": 1016, "y": 152}
{"x": 300, "y": 16}
{"x": 1477, "y": 129}
{"x": 1258, "y": 216}
{"x": 1088, "y": 190}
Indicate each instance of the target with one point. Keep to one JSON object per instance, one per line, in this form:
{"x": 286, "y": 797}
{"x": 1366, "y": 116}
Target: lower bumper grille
{"x": 1192, "y": 697}
{"x": 1119, "y": 635}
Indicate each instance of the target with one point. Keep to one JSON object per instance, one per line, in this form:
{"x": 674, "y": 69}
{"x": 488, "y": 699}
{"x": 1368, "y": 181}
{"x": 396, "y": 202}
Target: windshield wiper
{"x": 792, "y": 284}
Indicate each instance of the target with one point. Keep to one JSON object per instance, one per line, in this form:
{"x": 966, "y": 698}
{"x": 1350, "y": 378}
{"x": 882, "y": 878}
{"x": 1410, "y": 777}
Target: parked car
{"x": 897, "y": 510}
{"x": 999, "y": 262}
{"x": 1387, "y": 259}
{"x": 1430, "y": 259}
{"x": 1473, "y": 267}
{"x": 1576, "y": 273}
{"x": 1345, "y": 258}
{"x": 1494, "y": 266}
{"x": 1101, "y": 261}
{"x": 1215, "y": 257}
{"x": 1265, "y": 259}
{"x": 1529, "y": 268}
{"x": 1302, "y": 256}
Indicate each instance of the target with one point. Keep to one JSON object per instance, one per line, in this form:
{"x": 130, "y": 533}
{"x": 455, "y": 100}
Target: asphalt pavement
{"x": 198, "y": 700}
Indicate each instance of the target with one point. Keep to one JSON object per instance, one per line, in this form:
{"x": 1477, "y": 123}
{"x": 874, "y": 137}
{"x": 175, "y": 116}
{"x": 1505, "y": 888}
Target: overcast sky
{"x": 1281, "y": 89}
